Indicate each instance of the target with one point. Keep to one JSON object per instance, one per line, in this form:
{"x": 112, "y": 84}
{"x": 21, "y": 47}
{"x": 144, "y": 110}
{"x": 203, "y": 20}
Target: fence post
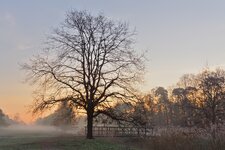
{"x": 145, "y": 131}
{"x": 138, "y": 131}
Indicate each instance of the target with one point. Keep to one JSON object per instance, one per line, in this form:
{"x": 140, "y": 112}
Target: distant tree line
{"x": 197, "y": 100}
{"x": 5, "y": 120}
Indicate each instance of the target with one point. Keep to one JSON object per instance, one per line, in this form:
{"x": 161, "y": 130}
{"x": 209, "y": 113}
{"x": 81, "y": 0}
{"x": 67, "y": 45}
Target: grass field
{"x": 68, "y": 142}
{"x": 26, "y": 139}
{"x": 50, "y": 139}
{"x": 58, "y": 143}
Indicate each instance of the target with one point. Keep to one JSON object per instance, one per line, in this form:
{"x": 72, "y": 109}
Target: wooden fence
{"x": 109, "y": 131}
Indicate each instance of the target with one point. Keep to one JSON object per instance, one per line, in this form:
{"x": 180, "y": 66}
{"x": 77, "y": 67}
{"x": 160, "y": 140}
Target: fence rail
{"x": 105, "y": 131}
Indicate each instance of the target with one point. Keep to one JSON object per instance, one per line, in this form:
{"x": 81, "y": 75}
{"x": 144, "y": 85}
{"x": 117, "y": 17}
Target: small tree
{"x": 90, "y": 62}
{"x": 2, "y": 119}
{"x": 143, "y": 112}
{"x": 64, "y": 115}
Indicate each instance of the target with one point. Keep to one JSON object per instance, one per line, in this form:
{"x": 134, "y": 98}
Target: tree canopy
{"x": 89, "y": 62}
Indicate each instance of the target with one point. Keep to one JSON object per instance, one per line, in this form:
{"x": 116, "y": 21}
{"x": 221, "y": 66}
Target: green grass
{"x": 69, "y": 142}
{"x": 57, "y": 143}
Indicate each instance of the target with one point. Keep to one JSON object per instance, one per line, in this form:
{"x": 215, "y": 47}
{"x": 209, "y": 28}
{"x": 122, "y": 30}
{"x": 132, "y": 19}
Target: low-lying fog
{"x": 38, "y": 130}
{"x": 51, "y": 125}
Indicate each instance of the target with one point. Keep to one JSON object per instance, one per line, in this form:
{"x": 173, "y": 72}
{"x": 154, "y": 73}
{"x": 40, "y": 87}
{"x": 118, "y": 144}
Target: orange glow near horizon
{"x": 16, "y": 99}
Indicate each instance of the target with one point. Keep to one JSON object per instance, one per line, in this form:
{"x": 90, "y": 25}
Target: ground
{"x": 58, "y": 143}
{"x": 40, "y": 140}
{"x": 50, "y": 139}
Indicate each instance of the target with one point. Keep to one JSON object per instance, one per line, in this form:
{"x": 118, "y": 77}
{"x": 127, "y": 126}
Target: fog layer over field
{"x": 37, "y": 130}
{"x": 57, "y": 123}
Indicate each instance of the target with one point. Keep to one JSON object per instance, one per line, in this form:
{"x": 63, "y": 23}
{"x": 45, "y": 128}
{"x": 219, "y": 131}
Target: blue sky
{"x": 182, "y": 36}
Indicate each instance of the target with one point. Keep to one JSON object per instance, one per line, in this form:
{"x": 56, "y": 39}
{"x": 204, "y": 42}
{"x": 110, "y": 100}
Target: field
{"x": 52, "y": 139}
{"x": 68, "y": 142}
{"x": 57, "y": 143}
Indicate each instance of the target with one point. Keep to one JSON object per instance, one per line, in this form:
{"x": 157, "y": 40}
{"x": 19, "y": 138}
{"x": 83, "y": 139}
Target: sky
{"x": 181, "y": 36}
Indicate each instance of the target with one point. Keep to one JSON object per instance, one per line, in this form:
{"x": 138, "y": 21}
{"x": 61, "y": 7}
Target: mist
{"x": 37, "y": 130}
{"x": 55, "y": 124}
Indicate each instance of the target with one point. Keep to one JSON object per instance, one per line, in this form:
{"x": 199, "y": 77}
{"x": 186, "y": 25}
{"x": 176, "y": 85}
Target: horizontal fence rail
{"x": 106, "y": 131}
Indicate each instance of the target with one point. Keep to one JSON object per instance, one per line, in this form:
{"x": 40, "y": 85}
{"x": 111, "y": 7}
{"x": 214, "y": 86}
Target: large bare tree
{"x": 89, "y": 62}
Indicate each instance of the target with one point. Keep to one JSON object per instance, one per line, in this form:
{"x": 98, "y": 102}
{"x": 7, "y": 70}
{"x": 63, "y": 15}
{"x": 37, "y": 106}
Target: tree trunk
{"x": 90, "y": 112}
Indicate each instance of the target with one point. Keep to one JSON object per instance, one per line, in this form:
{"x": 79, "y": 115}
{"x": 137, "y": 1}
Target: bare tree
{"x": 90, "y": 62}
{"x": 187, "y": 80}
{"x": 212, "y": 95}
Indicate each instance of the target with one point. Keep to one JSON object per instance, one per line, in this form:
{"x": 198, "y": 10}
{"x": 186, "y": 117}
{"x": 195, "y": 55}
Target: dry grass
{"x": 176, "y": 142}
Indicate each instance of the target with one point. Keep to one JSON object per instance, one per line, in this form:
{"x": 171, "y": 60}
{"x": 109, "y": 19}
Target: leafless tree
{"x": 89, "y": 62}
{"x": 212, "y": 95}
